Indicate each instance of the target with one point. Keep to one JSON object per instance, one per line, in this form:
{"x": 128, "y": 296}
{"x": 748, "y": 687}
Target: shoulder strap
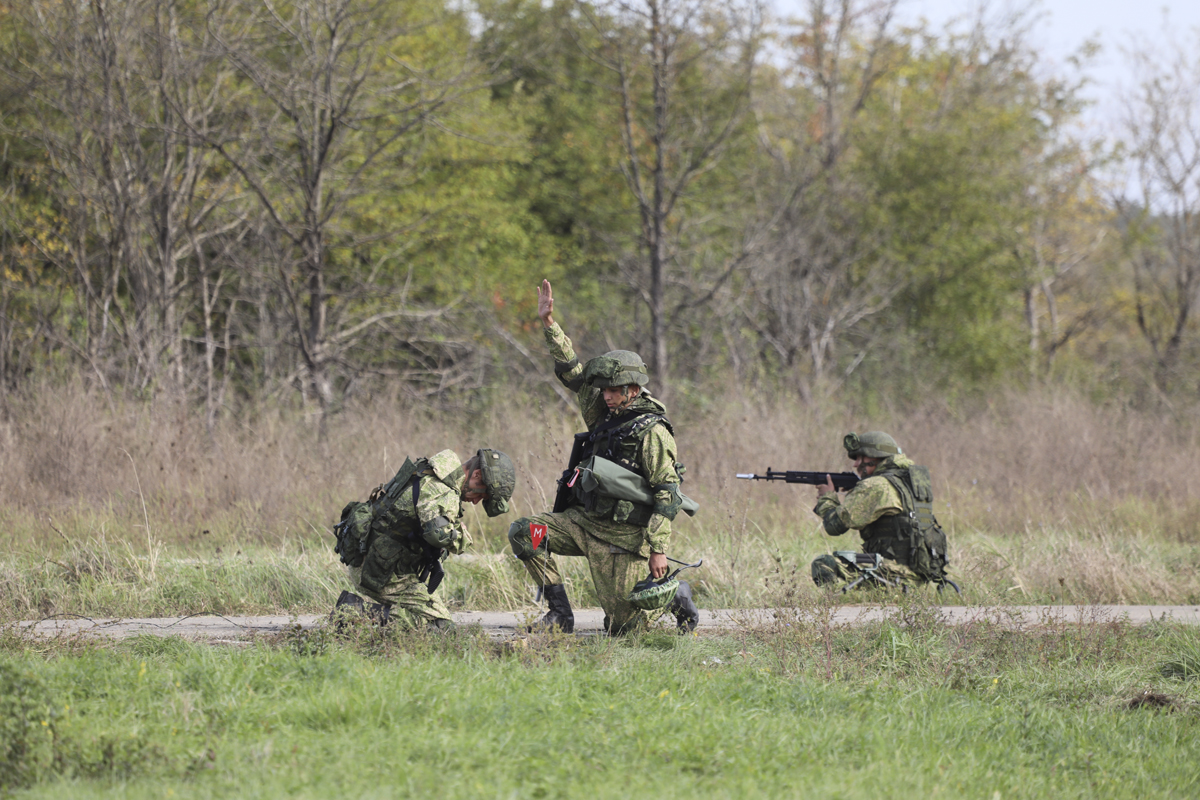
{"x": 900, "y": 481}
{"x": 646, "y": 421}
{"x": 411, "y": 472}
{"x": 922, "y": 485}
{"x": 631, "y": 426}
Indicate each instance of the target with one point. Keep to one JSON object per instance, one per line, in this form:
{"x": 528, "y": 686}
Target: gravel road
{"x": 501, "y": 624}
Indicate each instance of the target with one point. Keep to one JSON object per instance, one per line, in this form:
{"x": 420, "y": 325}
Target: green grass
{"x": 908, "y": 708}
{"x": 101, "y": 578}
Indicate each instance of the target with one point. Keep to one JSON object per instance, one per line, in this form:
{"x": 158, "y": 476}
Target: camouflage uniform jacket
{"x": 439, "y": 495}
{"x": 655, "y": 455}
{"x": 873, "y": 498}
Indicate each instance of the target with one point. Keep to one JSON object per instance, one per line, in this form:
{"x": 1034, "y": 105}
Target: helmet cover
{"x": 873, "y": 444}
{"x": 648, "y": 594}
{"x": 500, "y": 478}
{"x": 616, "y": 368}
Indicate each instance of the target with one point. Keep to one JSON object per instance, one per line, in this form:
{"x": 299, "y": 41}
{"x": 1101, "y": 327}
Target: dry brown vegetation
{"x": 1045, "y": 498}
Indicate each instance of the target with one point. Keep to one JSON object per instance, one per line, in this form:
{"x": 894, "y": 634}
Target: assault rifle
{"x": 841, "y": 480}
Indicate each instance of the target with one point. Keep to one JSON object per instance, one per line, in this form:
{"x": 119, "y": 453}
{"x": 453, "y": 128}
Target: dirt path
{"x": 501, "y": 624}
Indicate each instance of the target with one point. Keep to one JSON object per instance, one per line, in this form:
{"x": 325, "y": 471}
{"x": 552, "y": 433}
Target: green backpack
{"x": 353, "y": 531}
{"x": 927, "y": 540}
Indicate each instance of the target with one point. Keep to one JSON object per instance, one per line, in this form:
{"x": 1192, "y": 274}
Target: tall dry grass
{"x": 1044, "y": 496}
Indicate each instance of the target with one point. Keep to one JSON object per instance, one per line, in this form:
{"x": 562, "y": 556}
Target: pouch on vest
{"x": 609, "y": 479}
{"x": 381, "y": 561}
{"x": 352, "y": 533}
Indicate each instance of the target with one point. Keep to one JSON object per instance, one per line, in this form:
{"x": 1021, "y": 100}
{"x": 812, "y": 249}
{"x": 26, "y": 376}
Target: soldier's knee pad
{"x": 520, "y": 537}
{"x": 825, "y": 570}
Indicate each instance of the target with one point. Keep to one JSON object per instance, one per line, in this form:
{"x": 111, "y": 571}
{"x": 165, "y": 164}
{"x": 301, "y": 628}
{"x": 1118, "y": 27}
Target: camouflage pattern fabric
{"x": 440, "y": 495}
{"x": 829, "y": 569}
{"x": 411, "y": 603}
{"x": 873, "y": 498}
{"x": 614, "y": 570}
{"x": 657, "y": 452}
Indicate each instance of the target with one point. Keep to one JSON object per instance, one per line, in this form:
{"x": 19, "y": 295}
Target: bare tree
{"x": 1067, "y": 229}
{"x": 112, "y": 93}
{"x": 817, "y": 276}
{"x": 1162, "y": 123}
{"x": 337, "y": 98}
{"x": 681, "y": 77}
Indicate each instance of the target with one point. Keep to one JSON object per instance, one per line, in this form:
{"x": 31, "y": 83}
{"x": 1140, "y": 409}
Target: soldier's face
{"x": 865, "y": 466}
{"x": 476, "y": 490}
{"x": 618, "y": 397}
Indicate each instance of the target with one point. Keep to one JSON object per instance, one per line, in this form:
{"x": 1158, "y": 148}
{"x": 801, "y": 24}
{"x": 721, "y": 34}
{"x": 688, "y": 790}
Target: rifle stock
{"x": 842, "y": 481}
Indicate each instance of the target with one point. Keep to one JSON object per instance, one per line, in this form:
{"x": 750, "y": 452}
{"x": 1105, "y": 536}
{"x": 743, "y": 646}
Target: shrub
{"x": 26, "y": 729}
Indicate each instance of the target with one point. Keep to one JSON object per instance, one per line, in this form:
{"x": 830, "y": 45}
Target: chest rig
{"x": 618, "y": 440}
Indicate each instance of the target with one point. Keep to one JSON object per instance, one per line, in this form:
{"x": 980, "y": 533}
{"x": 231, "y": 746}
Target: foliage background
{"x": 253, "y": 253}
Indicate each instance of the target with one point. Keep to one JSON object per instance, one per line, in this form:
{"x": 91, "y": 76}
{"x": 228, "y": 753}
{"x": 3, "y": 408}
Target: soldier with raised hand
{"x": 395, "y": 542}
{"x": 620, "y": 538}
{"x": 892, "y": 507}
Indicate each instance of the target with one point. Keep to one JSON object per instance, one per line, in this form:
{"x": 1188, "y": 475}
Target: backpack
{"x": 353, "y": 530}
{"x": 927, "y": 540}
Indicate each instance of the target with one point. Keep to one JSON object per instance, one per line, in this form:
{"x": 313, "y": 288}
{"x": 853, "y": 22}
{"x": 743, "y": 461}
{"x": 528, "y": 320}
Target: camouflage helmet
{"x": 500, "y": 478}
{"x": 873, "y": 444}
{"x": 648, "y": 594}
{"x": 616, "y": 368}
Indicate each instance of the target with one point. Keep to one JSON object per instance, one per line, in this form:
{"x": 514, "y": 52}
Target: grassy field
{"x": 905, "y": 708}
{"x": 112, "y": 509}
{"x": 115, "y": 509}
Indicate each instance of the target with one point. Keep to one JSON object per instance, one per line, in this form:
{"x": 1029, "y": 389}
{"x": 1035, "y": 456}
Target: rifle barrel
{"x": 841, "y": 480}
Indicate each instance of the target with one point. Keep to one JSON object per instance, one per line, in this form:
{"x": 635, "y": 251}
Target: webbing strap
{"x": 416, "y": 493}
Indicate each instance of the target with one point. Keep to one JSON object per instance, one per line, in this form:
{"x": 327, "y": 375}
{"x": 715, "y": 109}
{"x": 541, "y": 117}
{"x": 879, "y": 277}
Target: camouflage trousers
{"x": 614, "y": 569}
{"x": 410, "y": 601}
{"x": 847, "y": 566}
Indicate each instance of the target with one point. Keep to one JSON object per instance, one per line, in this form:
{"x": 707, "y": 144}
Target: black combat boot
{"x": 347, "y": 603}
{"x": 350, "y": 601}
{"x": 560, "y": 615}
{"x": 379, "y": 613}
{"x": 687, "y": 616}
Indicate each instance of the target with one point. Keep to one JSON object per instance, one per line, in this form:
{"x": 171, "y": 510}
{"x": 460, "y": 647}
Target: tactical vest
{"x": 913, "y": 537}
{"x": 619, "y": 441}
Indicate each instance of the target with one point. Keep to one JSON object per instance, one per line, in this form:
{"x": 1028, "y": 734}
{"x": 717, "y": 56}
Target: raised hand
{"x": 546, "y": 303}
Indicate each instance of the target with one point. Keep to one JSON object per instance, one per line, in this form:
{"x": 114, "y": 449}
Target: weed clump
{"x": 26, "y": 735}
{"x": 1184, "y": 663}
{"x": 36, "y": 740}
{"x": 1154, "y": 701}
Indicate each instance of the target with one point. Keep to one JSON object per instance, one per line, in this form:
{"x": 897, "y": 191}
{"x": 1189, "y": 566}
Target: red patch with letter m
{"x": 537, "y": 533}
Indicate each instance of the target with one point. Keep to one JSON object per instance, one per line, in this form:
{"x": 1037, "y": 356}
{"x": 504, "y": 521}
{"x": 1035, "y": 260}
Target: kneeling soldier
{"x": 394, "y": 543}
{"x": 628, "y": 442}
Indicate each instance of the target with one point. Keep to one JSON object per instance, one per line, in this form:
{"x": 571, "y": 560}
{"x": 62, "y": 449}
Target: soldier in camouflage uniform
{"x": 620, "y": 539}
{"x": 892, "y": 507}
{"x": 393, "y": 544}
